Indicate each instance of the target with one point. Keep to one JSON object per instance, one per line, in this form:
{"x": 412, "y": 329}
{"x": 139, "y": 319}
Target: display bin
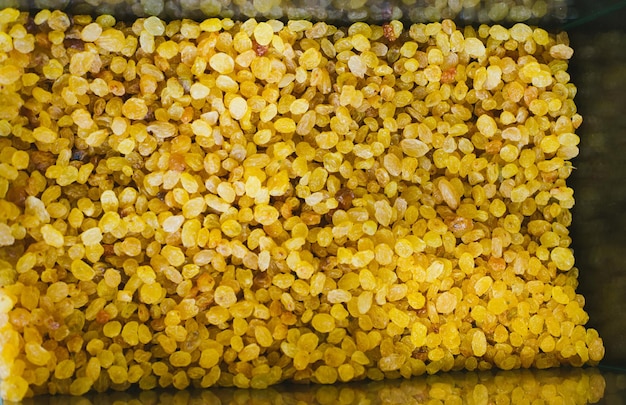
{"x": 598, "y": 68}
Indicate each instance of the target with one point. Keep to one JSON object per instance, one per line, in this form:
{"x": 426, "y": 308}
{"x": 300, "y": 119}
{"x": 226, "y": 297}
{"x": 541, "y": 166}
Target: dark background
{"x": 598, "y": 36}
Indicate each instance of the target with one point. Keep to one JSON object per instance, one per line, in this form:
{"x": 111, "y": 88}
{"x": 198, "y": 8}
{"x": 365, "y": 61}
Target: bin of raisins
{"x": 268, "y": 201}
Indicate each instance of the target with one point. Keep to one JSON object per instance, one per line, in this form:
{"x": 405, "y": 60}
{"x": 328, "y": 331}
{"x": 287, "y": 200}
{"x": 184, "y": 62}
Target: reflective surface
{"x": 565, "y": 385}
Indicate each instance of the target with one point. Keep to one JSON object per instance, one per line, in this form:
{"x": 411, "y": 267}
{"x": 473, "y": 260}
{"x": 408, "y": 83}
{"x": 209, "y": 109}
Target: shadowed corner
{"x": 592, "y": 12}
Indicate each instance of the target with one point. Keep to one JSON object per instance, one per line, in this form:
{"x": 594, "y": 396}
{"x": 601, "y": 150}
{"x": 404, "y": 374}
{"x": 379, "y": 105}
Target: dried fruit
{"x": 242, "y": 203}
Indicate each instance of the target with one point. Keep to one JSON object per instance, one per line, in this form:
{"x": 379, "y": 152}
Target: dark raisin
{"x": 344, "y": 197}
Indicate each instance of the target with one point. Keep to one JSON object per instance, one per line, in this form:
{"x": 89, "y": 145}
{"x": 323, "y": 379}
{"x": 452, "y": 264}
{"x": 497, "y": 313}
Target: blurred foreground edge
{"x": 331, "y": 11}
